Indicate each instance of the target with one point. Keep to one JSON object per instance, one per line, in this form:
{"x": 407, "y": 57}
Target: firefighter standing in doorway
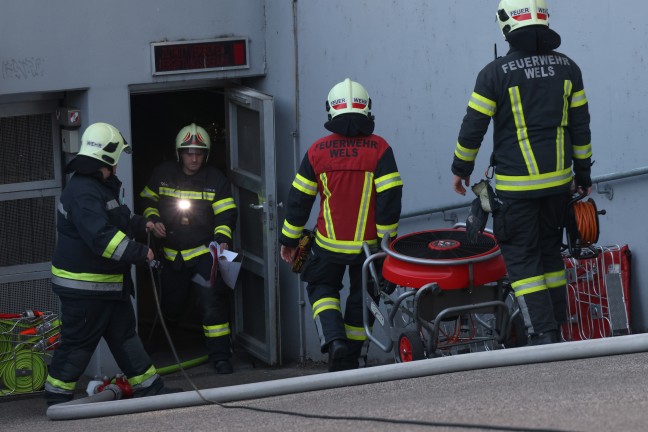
{"x": 355, "y": 174}
{"x": 537, "y": 101}
{"x": 91, "y": 270}
{"x": 191, "y": 205}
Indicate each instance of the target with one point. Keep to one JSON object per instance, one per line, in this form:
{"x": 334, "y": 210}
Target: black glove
{"x": 489, "y": 201}
{"x": 476, "y": 221}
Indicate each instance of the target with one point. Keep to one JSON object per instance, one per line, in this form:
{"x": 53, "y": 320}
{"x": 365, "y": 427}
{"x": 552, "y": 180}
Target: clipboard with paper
{"x": 225, "y": 264}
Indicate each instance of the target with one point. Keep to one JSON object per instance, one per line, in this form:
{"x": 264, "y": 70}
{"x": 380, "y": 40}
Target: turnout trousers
{"x": 530, "y": 233}
{"x": 324, "y": 280}
{"x": 213, "y": 302}
{"x": 84, "y": 323}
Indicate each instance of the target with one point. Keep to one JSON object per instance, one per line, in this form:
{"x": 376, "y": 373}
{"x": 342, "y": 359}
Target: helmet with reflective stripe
{"x": 192, "y": 136}
{"x": 103, "y": 142}
{"x": 348, "y": 97}
{"x": 515, "y": 14}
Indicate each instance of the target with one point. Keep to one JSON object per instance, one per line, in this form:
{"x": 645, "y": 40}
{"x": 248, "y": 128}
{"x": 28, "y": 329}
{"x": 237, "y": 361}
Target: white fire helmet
{"x": 192, "y": 136}
{"x": 348, "y": 97}
{"x": 103, "y": 142}
{"x": 515, "y": 14}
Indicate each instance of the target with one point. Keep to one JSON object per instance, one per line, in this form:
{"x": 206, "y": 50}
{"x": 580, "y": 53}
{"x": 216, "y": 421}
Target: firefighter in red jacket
{"x": 355, "y": 174}
{"x": 191, "y": 205}
{"x": 541, "y": 151}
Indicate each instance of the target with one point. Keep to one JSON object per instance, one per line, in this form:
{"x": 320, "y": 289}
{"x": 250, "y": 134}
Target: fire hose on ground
{"x": 81, "y": 409}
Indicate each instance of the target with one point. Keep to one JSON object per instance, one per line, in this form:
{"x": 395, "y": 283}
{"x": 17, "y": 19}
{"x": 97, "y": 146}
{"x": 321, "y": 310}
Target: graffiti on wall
{"x": 26, "y": 68}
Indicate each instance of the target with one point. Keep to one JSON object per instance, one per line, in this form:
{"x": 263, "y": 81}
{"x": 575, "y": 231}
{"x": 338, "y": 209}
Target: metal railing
{"x": 606, "y": 190}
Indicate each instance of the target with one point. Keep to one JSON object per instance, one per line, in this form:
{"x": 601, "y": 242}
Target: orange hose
{"x": 586, "y": 221}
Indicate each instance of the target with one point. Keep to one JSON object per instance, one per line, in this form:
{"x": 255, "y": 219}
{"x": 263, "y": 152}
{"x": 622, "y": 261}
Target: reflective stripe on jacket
{"x": 541, "y": 124}
{"x": 360, "y": 194}
{"x": 94, "y": 250}
{"x": 210, "y": 211}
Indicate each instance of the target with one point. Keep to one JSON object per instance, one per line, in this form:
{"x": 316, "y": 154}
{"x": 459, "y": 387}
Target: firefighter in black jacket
{"x": 541, "y": 154}
{"x": 91, "y": 270}
{"x": 355, "y": 174}
{"x": 191, "y": 205}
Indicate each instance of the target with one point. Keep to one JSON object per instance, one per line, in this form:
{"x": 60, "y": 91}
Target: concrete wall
{"x": 417, "y": 58}
{"x": 419, "y": 61}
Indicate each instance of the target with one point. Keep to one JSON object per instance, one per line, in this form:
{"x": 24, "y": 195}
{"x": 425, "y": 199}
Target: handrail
{"x": 595, "y": 180}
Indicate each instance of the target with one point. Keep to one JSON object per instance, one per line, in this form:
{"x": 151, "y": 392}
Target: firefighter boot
{"x": 337, "y": 351}
{"x": 157, "y": 388}
{"x": 53, "y": 398}
{"x": 223, "y": 367}
{"x": 545, "y": 338}
{"x": 352, "y": 359}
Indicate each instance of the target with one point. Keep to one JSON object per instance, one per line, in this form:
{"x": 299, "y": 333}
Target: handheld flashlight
{"x": 184, "y": 205}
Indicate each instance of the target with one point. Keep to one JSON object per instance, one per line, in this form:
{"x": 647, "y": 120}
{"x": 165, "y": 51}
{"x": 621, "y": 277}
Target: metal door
{"x": 251, "y": 153}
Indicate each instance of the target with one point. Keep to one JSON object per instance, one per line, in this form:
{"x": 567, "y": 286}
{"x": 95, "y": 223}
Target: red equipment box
{"x": 598, "y": 294}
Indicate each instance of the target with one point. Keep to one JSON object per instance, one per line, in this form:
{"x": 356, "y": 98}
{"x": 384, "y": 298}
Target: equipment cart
{"x": 443, "y": 294}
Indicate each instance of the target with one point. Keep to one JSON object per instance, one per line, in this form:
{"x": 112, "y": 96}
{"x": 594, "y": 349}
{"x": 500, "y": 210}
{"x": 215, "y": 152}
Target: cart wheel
{"x": 409, "y": 347}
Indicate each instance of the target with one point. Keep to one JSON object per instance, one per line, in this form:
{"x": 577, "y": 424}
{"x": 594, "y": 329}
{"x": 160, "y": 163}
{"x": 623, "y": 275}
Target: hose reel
{"x": 582, "y": 227}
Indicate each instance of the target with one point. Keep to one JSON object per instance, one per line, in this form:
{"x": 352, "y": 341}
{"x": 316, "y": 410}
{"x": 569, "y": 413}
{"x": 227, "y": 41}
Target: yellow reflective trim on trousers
{"x": 67, "y": 386}
{"x": 326, "y": 303}
{"x": 529, "y": 285}
{"x": 304, "y": 185}
{"x": 112, "y": 245}
{"x": 365, "y": 202}
{"x": 355, "y": 333}
{"x": 350, "y": 247}
{"x": 560, "y": 132}
{"x": 582, "y": 152}
{"x": 388, "y": 181}
{"x": 88, "y": 277}
{"x": 150, "y": 194}
{"x": 223, "y": 205}
{"x": 187, "y": 254}
{"x": 483, "y": 105}
{"x": 139, "y": 379}
{"x": 536, "y": 182}
{"x": 291, "y": 231}
{"x": 465, "y": 154}
{"x": 556, "y": 279}
{"x": 578, "y": 99}
{"x": 328, "y": 220}
{"x": 522, "y": 132}
{"x": 218, "y": 330}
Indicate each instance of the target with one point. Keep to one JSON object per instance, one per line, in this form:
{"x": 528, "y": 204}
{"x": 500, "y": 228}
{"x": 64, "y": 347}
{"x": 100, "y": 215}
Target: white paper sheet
{"x": 228, "y": 269}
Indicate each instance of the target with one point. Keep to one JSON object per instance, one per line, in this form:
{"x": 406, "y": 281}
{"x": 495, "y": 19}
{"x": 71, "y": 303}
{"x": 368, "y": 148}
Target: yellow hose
{"x": 24, "y": 373}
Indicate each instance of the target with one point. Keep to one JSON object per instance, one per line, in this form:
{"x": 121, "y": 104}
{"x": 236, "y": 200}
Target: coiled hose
{"x": 22, "y": 365}
{"x": 586, "y": 217}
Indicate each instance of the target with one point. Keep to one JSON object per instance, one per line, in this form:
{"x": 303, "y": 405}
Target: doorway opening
{"x": 156, "y": 118}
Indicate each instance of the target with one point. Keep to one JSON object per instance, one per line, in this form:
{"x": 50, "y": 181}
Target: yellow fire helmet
{"x": 515, "y": 14}
{"x": 348, "y": 97}
{"x": 192, "y": 136}
{"x": 103, "y": 142}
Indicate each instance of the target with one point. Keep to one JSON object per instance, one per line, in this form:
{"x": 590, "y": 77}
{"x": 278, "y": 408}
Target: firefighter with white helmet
{"x": 91, "y": 270}
{"x": 191, "y": 205}
{"x": 541, "y": 153}
{"x": 354, "y": 172}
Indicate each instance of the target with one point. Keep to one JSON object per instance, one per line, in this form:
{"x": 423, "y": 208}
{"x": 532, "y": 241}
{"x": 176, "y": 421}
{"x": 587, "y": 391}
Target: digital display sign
{"x": 199, "y": 56}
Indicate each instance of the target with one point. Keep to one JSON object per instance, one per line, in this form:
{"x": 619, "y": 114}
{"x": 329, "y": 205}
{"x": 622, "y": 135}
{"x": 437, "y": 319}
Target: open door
{"x": 251, "y": 153}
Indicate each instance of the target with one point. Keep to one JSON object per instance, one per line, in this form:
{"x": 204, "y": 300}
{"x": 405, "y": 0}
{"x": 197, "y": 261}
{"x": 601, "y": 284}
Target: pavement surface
{"x": 606, "y": 393}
